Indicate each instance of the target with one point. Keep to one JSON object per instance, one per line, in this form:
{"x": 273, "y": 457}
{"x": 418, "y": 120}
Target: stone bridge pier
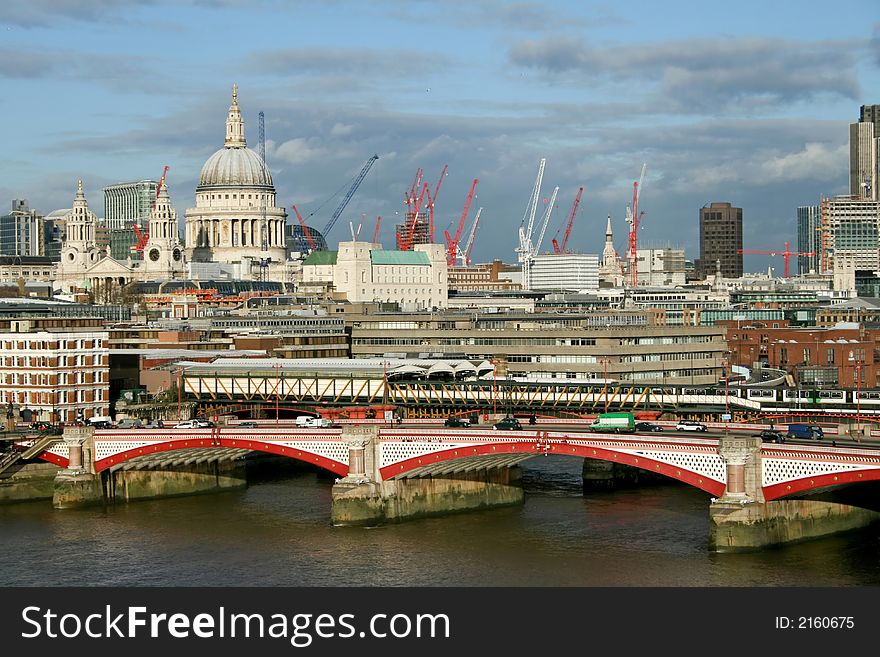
{"x": 364, "y": 498}
{"x": 741, "y": 519}
{"x": 78, "y": 484}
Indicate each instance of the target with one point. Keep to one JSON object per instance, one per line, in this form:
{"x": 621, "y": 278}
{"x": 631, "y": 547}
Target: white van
{"x": 307, "y": 421}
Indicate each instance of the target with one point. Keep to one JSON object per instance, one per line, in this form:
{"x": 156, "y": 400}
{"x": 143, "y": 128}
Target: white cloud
{"x": 341, "y": 129}
{"x": 298, "y": 151}
{"x": 812, "y": 163}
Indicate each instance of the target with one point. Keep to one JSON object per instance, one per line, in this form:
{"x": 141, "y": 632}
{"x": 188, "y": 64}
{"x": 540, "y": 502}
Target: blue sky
{"x": 744, "y": 102}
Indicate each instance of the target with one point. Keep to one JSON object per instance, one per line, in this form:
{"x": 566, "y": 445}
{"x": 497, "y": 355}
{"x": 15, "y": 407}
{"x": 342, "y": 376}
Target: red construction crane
{"x": 405, "y": 243}
{"x": 434, "y": 200}
{"x": 452, "y": 243}
{"x": 634, "y": 220}
{"x": 787, "y": 255}
{"x": 305, "y": 228}
{"x": 143, "y": 236}
{"x": 376, "y": 232}
{"x": 556, "y": 246}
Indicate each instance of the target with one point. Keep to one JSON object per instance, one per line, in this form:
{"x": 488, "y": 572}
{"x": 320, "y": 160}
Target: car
{"x": 102, "y": 424}
{"x": 46, "y": 427}
{"x": 457, "y": 422}
{"x": 194, "y": 424}
{"x": 805, "y": 431}
{"x": 154, "y": 424}
{"x": 690, "y": 425}
{"x": 130, "y": 423}
{"x": 508, "y": 424}
{"x": 247, "y": 425}
{"x": 647, "y": 426}
{"x": 310, "y": 422}
{"x": 770, "y": 436}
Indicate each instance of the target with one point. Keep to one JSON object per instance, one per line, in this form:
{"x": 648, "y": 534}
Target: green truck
{"x": 616, "y": 422}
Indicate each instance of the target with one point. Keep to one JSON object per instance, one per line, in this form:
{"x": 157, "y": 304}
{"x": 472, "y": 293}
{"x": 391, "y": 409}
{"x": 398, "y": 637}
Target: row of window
{"x": 29, "y": 379}
{"x": 43, "y": 345}
{"x": 546, "y": 358}
{"x": 653, "y": 358}
{"x": 54, "y": 398}
{"x": 667, "y": 339}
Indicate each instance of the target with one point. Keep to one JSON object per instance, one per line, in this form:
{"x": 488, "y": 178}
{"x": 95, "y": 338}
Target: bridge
{"x": 761, "y": 493}
{"x": 786, "y": 469}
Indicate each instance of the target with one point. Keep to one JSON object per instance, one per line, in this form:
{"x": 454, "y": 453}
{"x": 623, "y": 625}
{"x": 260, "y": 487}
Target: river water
{"x": 277, "y": 533}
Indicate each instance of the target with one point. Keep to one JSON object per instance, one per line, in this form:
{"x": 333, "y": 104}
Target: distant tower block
{"x": 421, "y": 233}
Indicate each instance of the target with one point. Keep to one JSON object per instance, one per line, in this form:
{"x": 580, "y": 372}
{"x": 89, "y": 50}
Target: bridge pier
{"x": 77, "y": 485}
{"x": 741, "y": 519}
{"x": 363, "y": 498}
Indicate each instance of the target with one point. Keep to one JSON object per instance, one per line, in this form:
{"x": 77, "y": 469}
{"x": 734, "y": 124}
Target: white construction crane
{"x": 524, "y": 251}
{"x": 544, "y": 221}
{"x": 465, "y": 255}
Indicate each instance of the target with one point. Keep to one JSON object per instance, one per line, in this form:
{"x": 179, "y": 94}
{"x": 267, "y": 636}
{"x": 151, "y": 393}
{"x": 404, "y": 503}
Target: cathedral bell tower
{"x": 80, "y": 250}
{"x": 163, "y": 253}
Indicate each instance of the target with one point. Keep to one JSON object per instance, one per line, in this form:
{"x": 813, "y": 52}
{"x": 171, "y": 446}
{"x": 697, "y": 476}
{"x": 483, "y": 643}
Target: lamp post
{"x": 277, "y": 368}
{"x": 494, "y": 388}
{"x": 604, "y": 360}
{"x": 726, "y": 372}
{"x": 179, "y": 393}
{"x": 859, "y": 398}
{"x": 384, "y": 386}
{"x": 857, "y": 364}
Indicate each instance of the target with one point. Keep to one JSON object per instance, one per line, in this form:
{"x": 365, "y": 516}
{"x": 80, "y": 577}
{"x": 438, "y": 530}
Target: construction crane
{"x": 787, "y": 255}
{"x": 143, "y": 236}
{"x": 452, "y": 249}
{"x": 545, "y": 220}
{"x": 264, "y": 227}
{"x": 563, "y": 248}
{"x": 434, "y": 201}
{"x": 634, "y": 218}
{"x": 524, "y": 250}
{"x": 376, "y": 232}
{"x": 357, "y": 181}
{"x": 470, "y": 240}
{"x": 405, "y": 243}
{"x": 305, "y": 229}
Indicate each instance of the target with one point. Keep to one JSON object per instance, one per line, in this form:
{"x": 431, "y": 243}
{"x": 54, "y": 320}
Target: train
{"x": 805, "y": 398}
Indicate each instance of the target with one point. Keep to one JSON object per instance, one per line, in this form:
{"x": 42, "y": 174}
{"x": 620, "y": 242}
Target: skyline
{"x": 109, "y": 92}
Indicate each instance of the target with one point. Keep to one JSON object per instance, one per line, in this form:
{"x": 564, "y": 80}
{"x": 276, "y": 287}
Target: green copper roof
{"x": 418, "y": 258}
{"x": 321, "y": 258}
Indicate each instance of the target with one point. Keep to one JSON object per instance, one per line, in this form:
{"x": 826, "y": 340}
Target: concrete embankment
{"x": 28, "y": 482}
{"x": 744, "y": 527}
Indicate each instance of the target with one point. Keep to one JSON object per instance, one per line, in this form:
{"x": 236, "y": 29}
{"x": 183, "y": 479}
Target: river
{"x": 277, "y": 533}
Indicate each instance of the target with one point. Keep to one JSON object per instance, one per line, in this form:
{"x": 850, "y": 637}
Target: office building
{"x": 864, "y": 153}
{"x": 127, "y": 204}
{"x": 576, "y": 272}
{"x": 809, "y": 222}
{"x": 720, "y": 240}
{"x": 850, "y": 232}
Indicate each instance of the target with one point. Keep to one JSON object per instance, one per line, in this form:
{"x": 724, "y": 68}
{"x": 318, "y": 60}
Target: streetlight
{"x": 179, "y": 372}
{"x": 857, "y": 364}
{"x": 726, "y": 372}
{"x": 494, "y": 388}
{"x": 277, "y": 368}
{"x": 605, "y": 360}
